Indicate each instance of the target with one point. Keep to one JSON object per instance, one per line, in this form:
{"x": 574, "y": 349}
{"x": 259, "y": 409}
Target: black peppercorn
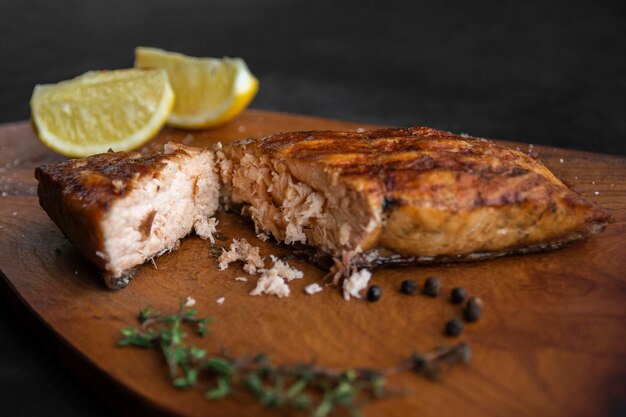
{"x": 374, "y": 293}
{"x": 454, "y": 327}
{"x": 473, "y": 309}
{"x": 457, "y": 295}
{"x": 408, "y": 287}
{"x": 432, "y": 286}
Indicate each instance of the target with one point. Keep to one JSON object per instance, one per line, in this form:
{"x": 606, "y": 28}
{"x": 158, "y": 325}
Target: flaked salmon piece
{"x": 121, "y": 209}
{"x": 402, "y": 196}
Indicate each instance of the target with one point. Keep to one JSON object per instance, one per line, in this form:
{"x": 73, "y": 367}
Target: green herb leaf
{"x": 254, "y": 384}
{"x": 144, "y": 314}
{"x": 274, "y": 386}
{"x": 296, "y": 388}
{"x": 270, "y": 398}
{"x": 301, "y": 402}
{"x": 220, "y": 366}
{"x": 177, "y": 334}
{"x": 222, "y": 389}
{"x": 202, "y": 328}
{"x": 196, "y": 353}
{"x": 132, "y": 337}
{"x": 181, "y": 382}
{"x": 378, "y": 386}
{"x": 324, "y": 408}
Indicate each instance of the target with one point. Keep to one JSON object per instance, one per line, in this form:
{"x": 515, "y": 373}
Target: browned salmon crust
{"x": 403, "y": 195}
{"x": 116, "y": 207}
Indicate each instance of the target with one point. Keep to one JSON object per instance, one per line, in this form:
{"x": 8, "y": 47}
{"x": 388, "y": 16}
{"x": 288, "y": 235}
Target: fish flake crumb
{"x": 313, "y": 288}
{"x": 274, "y": 280}
{"x": 355, "y": 283}
{"x": 190, "y": 302}
{"x": 242, "y": 250}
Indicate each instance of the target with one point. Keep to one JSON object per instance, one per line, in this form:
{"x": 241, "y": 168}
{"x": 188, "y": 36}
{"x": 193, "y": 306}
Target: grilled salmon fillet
{"x": 123, "y": 208}
{"x": 402, "y": 195}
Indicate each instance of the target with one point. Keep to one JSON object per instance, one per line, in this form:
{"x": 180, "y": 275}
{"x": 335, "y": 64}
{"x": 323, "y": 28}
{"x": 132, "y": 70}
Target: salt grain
{"x": 561, "y": 160}
{"x": 190, "y": 302}
{"x": 220, "y": 300}
{"x": 596, "y": 192}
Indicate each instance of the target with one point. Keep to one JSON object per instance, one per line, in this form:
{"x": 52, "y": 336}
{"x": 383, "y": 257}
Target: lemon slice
{"x": 209, "y": 91}
{"x": 102, "y": 110}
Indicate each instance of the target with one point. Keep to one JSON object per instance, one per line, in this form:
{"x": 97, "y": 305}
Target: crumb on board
{"x": 355, "y": 283}
{"x": 313, "y": 288}
{"x": 274, "y": 280}
{"x": 242, "y": 250}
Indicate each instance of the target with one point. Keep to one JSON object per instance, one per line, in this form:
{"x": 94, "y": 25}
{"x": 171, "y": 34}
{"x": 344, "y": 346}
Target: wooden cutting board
{"x": 552, "y": 340}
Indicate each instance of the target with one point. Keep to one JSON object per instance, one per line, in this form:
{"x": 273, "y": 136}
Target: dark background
{"x": 550, "y": 72}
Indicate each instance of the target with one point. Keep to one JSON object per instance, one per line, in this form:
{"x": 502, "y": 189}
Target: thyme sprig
{"x": 306, "y": 387}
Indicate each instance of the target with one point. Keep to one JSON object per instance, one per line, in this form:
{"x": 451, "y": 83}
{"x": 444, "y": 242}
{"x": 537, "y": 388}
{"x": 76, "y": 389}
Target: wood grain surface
{"x": 552, "y": 341}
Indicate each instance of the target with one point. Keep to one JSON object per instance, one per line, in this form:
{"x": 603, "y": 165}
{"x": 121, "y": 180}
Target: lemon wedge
{"x": 209, "y": 91}
{"x": 102, "y": 110}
